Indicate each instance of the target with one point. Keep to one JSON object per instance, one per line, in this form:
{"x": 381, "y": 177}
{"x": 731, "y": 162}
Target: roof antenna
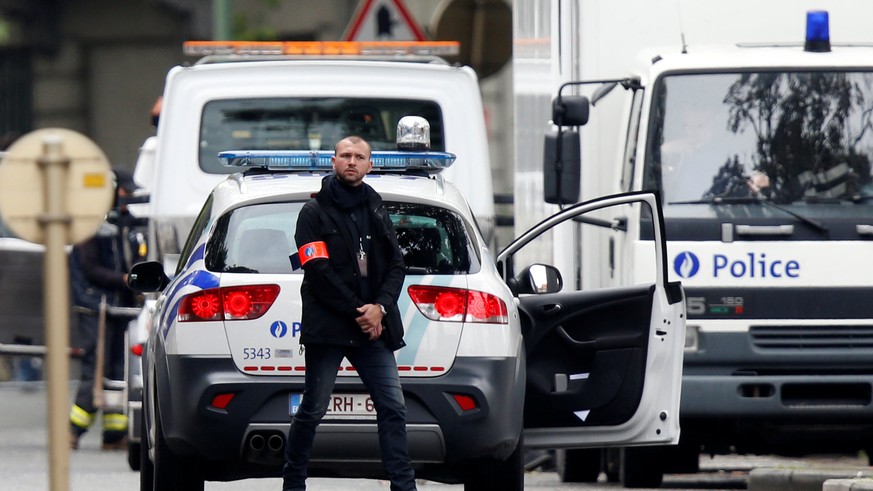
{"x": 681, "y": 28}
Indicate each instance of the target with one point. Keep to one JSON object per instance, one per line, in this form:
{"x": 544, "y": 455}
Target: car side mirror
{"x": 540, "y": 278}
{"x": 147, "y": 277}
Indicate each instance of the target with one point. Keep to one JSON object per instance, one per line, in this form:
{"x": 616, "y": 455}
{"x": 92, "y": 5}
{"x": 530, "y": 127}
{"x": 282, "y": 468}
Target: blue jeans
{"x": 377, "y": 368}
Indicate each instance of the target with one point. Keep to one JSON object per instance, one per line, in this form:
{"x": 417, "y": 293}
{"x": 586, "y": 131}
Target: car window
{"x": 260, "y": 238}
{"x": 254, "y": 239}
{"x": 434, "y": 240}
{"x": 594, "y": 239}
{"x": 201, "y": 224}
{"x": 300, "y": 123}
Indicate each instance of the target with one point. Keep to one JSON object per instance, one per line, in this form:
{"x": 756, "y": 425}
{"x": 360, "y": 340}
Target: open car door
{"x": 604, "y": 344}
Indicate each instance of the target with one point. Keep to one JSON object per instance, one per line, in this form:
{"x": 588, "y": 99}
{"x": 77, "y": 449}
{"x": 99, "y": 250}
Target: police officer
{"x": 353, "y": 275}
{"x": 98, "y": 269}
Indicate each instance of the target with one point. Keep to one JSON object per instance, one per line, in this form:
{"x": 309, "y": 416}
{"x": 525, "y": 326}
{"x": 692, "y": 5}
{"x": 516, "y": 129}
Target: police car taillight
{"x": 245, "y": 302}
{"x": 440, "y": 303}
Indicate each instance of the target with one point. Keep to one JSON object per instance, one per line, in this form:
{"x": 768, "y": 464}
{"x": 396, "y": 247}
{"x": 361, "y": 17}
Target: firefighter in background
{"x": 98, "y": 268}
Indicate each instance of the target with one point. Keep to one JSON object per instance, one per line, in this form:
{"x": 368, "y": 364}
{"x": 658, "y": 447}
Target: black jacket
{"x": 331, "y": 288}
{"x": 98, "y": 265}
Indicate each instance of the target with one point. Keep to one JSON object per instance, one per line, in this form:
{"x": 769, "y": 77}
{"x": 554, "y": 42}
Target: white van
{"x": 294, "y": 102}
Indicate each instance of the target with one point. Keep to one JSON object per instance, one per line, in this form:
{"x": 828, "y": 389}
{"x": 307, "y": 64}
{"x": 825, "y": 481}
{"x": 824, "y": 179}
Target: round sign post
{"x": 484, "y": 29}
{"x": 56, "y": 187}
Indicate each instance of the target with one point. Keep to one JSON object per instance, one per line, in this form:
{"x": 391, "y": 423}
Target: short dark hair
{"x": 353, "y": 139}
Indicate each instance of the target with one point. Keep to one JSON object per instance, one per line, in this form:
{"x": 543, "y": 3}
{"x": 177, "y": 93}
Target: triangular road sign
{"x": 383, "y": 20}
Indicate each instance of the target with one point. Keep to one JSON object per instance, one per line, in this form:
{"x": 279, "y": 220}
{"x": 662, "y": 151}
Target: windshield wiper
{"x": 738, "y": 200}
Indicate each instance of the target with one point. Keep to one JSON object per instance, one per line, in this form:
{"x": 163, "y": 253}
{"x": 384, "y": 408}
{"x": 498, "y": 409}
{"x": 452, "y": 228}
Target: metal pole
{"x": 53, "y": 165}
{"x": 100, "y": 355}
{"x": 221, "y": 13}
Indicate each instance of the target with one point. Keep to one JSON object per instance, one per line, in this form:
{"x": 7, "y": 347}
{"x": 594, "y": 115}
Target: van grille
{"x": 812, "y": 337}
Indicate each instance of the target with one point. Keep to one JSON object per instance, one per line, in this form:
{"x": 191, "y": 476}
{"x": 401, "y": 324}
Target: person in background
{"x": 353, "y": 273}
{"x": 155, "y": 112}
{"x": 98, "y": 268}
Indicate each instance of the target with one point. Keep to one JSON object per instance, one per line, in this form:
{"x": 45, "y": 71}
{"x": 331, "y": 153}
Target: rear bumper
{"x": 246, "y": 430}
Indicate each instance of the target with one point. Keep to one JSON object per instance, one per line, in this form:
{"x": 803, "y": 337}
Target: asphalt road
{"x": 24, "y": 461}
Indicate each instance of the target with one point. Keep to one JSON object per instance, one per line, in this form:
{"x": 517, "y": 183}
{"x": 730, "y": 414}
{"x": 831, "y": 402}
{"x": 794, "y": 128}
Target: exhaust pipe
{"x": 257, "y": 442}
{"x": 276, "y": 443}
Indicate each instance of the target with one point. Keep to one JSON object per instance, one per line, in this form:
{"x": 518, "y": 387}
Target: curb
{"x": 858, "y": 484}
{"x": 810, "y": 480}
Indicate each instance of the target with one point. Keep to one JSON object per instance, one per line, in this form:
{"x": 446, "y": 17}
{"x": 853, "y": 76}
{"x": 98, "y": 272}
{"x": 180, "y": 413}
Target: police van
{"x": 305, "y": 96}
{"x": 755, "y": 131}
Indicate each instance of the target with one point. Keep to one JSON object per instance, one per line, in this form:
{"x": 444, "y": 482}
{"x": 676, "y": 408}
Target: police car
{"x": 501, "y": 355}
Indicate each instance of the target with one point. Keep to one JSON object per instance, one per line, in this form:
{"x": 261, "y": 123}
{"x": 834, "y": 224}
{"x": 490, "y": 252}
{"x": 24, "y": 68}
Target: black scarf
{"x": 352, "y": 200}
{"x": 346, "y": 197}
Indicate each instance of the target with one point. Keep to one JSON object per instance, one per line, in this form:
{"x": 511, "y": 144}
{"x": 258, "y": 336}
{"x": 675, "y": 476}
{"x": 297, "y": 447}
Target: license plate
{"x": 341, "y": 406}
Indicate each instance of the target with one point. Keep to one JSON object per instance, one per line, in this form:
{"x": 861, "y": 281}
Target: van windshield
{"x": 306, "y": 124}
{"x": 792, "y": 138}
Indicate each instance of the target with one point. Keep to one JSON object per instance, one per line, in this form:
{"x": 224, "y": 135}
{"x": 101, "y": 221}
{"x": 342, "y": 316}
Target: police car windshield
{"x": 792, "y": 138}
{"x": 260, "y": 238}
{"x": 306, "y": 124}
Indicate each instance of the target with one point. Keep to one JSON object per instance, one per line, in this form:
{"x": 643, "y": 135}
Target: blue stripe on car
{"x": 197, "y": 255}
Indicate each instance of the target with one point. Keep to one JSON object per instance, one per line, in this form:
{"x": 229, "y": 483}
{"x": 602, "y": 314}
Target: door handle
{"x": 550, "y": 309}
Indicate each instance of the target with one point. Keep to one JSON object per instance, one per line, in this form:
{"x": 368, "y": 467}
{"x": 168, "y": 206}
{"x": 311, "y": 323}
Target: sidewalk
{"x": 820, "y": 476}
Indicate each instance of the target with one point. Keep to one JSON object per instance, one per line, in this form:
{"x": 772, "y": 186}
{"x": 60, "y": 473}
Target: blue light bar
{"x": 818, "y": 37}
{"x": 306, "y": 160}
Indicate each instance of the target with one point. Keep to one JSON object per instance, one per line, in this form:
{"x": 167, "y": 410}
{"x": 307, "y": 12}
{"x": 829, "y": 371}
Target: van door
{"x": 604, "y": 359}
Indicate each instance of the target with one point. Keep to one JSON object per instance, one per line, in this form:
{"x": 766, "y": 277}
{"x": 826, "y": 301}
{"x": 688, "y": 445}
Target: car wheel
{"x": 172, "y": 472}
{"x": 133, "y": 457}
{"x": 683, "y": 458}
{"x": 489, "y": 474}
{"x": 578, "y": 464}
{"x": 641, "y": 467}
{"x": 611, "y": 464}
{"x": 146, "y": 469}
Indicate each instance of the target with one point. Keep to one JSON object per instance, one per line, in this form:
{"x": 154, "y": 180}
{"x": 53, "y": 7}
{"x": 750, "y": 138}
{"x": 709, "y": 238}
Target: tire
{"x": 578, "y": 464}
{"x": 683, "y": 458}
{"x": 146, "y": 469}
{"x": 172, "y": 472}
{"x": 611, "y": 464}
{"x": 491, "y": 474}
{"x": 641, "y": 467}
{"x": 133, "y": 457}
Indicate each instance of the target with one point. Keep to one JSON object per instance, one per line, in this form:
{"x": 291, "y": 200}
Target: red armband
{"x": 313, "y": 250}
